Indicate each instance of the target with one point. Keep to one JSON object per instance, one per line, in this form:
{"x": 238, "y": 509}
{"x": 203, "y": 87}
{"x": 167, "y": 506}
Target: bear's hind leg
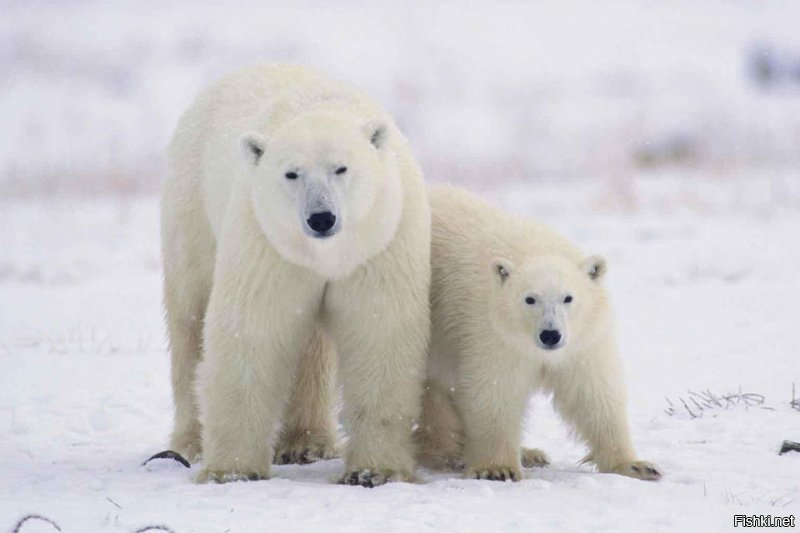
{"x": 309, "y": 427}
{"x": 188, "y": 255}
{"x": 440, "y": 436}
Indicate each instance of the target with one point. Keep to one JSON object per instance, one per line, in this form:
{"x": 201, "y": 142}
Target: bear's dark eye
{"x": 341, "y": 170}
{"x": 530, "y": 300}
{"x": 291, "y": 175}
{"x": 567, "y": 299}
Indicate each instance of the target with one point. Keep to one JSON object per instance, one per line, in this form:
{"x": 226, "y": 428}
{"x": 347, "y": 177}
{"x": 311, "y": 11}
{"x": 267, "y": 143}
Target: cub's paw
{"x": 494, "y": 473}
{"x": 639, "y": 470}
{"x": 220, "y": 476}
{"x": 372, "y": 478}
{"x": 304, "y": 448}
{"x": 534, "y": 457}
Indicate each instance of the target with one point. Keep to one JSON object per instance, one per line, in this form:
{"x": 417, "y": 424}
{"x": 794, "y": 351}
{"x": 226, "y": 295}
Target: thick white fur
{"x": 485, "y": 359}
{"x": 245, "y": 281}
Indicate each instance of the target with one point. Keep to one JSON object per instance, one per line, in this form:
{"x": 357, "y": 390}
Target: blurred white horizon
{"x": 633, "y": 103}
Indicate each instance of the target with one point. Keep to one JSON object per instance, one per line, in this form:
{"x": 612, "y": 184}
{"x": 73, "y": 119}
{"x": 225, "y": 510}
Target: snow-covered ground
{"x": 704, "y": 302}
{"x": 635, "y": 127}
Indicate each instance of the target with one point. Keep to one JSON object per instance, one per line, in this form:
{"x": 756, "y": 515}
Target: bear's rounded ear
{"x": 595, "y": 266}
{"x": 377, "y": 133}
{"x": 502, "y": 269}
{"x": 252, "y": 145}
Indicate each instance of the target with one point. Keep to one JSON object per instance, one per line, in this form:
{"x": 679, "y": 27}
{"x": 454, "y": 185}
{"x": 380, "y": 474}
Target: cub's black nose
{"x": 321, "y": 222}
{"x": 550, "y": 337}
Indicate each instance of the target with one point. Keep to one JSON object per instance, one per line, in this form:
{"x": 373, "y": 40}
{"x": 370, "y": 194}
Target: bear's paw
{"x": 639, "y": 470}
{"x": 372, "y": 478}
{"x": 219, "y": 476}
{"x": 304, "y": 448}
{"x": 188, "y": 444}
{"x": 534, "y": 457}
{"x": 495, "y": 473}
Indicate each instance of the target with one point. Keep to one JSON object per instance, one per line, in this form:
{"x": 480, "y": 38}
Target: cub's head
{"x": 318, "y": 182}
{"x": 546, "y": 303}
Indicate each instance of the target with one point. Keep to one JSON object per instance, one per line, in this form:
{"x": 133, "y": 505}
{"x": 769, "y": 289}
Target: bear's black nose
{"x": 321, "y": 222}
{"x": 550, "y": 337}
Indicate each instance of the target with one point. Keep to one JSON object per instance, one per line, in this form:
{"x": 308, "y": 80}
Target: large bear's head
{"x": 326, "y": 189}
{"x": 547, "y": 303}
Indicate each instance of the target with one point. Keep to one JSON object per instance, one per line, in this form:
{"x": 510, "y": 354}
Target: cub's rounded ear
{"x": 252, "y": 145}
{"x": 501, "y": 269}
{"x": 377, "y": 132}
{"x": 595, "y": 266}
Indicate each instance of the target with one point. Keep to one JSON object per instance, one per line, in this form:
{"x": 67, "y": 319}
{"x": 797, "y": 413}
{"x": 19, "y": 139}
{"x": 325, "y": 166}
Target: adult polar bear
{"x": 515, "y": 308}
{"x": 295, "y": 218}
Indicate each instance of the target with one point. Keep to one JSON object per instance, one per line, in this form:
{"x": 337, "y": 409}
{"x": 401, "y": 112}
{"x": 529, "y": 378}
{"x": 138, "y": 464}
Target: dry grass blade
{"x": 697, "y": 403}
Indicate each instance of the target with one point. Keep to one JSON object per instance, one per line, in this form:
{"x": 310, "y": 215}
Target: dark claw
{"x": 635, "y": 468}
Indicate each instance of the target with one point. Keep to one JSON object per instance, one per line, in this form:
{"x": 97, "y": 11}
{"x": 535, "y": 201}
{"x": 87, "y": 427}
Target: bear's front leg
{"x": 492, "y": 395}
{"x": 379, "y": 319}
{"x": 590, "y": 394}
{"x": 262, "y": 313}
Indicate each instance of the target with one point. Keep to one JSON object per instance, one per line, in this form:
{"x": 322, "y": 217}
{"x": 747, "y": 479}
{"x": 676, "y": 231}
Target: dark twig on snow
{"x": 789, "y": 446}
{"x": 154, "y": 528}
{"x": 169, "y": 454}
{"x": 18, "y": 526}
{"x": 795, "y": 403}
{"x": 691, "y": 414}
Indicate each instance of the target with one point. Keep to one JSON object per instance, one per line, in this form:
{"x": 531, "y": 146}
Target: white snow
{"x": 632, "y": 126}
{"x": 703, "y": 302}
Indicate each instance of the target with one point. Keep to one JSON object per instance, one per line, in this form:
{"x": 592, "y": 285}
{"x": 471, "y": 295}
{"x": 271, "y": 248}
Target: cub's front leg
{"x": 590, "y": 394}
{"x": 261, "y": 315}
{"x": 491, "y": 396}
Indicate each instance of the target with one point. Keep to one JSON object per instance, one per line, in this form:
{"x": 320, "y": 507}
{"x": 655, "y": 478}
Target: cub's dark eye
{"x": 530, "y": 300}
{"x": 291, "y": 175}
{"x": 567, "y": 299}
{"x": 341, "y": 170}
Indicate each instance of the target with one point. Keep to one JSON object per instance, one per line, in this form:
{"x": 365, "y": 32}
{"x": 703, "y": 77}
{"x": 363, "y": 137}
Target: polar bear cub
{"x": 516, "y": 308}
{"x": 295, "y": 222}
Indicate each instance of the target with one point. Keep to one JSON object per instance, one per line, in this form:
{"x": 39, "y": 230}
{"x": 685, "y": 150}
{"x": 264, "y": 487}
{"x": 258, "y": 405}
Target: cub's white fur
{"x": 270, "y": 294}
{"x": 516, "y": 308}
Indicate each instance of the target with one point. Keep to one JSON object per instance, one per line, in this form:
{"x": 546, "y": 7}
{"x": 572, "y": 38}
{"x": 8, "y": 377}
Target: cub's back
{"x": 468, "y": 234}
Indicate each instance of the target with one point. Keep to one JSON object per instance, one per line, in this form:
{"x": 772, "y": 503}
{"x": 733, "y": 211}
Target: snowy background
{"x": 665, "y": 136}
